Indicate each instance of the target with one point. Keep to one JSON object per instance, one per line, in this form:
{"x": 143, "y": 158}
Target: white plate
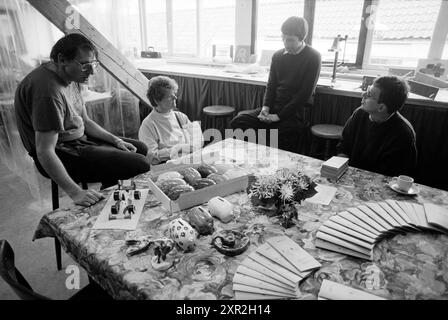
{"x": 411, "y": 192}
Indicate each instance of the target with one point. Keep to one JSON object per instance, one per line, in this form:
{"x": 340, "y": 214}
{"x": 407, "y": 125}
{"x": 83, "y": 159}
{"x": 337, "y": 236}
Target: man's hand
{"x": 265, "y": 111}
{"x": 269, "y": 118}
{"x": 264, "y": 114}
{"x": 125, "y": 146}
{"x": 86, "y": 198}
{"x": 273, "y": 118}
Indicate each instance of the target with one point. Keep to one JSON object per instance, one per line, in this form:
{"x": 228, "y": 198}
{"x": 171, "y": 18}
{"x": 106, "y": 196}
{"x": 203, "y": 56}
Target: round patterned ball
{"x": 183, "y": 234}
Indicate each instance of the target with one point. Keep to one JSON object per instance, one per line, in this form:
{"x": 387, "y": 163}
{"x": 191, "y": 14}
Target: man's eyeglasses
{"x": 368, "y": 93}
{"x": 88, "y": 66}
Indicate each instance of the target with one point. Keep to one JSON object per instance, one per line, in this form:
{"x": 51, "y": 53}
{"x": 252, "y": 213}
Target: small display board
{"x": 123, "y": 208}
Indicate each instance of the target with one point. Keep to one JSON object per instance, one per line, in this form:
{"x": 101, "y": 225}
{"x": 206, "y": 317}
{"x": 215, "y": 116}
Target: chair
{"x": 55, "y": 203}
{"x": 328, "y": 132}
{"x": 22, "y": 288}
{"x": 217, "y": 117}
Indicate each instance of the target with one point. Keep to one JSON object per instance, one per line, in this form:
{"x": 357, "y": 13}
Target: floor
{"x": 19, "y": 216}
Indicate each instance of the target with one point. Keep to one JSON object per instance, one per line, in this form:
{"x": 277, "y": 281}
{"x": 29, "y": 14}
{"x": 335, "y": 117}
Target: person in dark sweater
{"x": 377, "y": 137}
{"x": 292, "y": 79}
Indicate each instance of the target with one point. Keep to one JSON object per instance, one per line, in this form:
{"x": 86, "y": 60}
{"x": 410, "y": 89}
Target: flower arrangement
{"x": 280, "y": 192}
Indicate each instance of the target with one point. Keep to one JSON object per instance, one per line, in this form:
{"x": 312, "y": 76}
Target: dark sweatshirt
{"x": 388, "y": 148}
{"x": 292, "y": 79}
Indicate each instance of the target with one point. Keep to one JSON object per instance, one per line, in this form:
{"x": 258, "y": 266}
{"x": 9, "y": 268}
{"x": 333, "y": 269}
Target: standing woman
{"x": 163, "y": 130}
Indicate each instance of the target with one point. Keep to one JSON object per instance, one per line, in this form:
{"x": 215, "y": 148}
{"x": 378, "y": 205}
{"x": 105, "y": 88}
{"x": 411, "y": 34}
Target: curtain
{"x": 19, "y": 55}
{"x": 26, "y": 39}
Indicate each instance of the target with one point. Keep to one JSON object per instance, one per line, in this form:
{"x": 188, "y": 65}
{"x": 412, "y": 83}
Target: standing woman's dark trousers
{"x": 89, "y": 160}
{"x": 288, "y": 130}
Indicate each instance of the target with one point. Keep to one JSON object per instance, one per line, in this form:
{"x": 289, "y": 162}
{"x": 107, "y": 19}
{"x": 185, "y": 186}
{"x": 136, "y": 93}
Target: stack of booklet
{"x": 334, "y": 167}
{"x": 330, "y": 290}
{"x": 355, "y": 231}
{"x": 273, "y": 271}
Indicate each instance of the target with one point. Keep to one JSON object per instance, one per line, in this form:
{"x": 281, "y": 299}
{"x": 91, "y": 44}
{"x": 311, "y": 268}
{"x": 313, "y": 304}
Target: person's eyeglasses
{"x": 368, "y": 94}
{"x": 87, "y": 66}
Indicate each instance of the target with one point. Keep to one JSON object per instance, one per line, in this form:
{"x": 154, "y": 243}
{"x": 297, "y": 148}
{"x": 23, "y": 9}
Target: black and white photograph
{"x": 251, "y": 155}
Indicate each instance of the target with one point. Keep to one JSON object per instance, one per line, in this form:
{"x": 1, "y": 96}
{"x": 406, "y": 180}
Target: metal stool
{"x": 328, "y": 132}
{"x": 217, "y": 117}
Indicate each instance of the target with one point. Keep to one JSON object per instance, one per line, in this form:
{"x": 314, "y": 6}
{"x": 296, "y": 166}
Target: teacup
{"x": 404, "y": 183}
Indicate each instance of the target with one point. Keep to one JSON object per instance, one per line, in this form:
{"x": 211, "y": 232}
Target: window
{"x": 333, "y": 18}
{"x": 156, "y": 26}
{"x": 271, "y": 15}
{"x": 217, "y": 25}
{"x": 118, "y": 21}
{"x": 189, "y": 28}
{"x": 184, "y": 27}
{"x": 401, "y": 32}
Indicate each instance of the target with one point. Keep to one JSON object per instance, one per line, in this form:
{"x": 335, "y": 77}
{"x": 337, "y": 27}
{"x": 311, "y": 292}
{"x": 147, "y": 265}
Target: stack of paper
{"x": 355, "y": 231}
{"x": 334, "y": 167}
{"x": 273, "y": 271}
{"x": 330, "y": 290}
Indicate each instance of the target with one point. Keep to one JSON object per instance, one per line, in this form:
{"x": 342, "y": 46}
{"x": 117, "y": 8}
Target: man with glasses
{"x": 377, "y": 137}
{"x": 64, "y": 142}
{"x": 292, "y": 78}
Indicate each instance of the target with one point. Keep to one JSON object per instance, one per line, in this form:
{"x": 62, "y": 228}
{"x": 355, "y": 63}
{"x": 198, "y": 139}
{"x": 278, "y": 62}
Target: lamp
{"x": 336, "y": 48}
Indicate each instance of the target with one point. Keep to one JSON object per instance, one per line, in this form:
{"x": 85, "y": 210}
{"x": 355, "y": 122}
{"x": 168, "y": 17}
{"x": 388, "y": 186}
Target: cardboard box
{"x": 197, "y": 197}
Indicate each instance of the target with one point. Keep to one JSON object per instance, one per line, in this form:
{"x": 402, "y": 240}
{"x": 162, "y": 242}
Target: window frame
{"x": 169, "y": 27}
{"x": 365, "y": 39}
{"x": 440, "y": 29}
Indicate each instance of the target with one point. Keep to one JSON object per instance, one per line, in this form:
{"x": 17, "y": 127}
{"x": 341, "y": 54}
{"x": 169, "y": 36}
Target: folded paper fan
{"x": 354, "y": 232}
{"x": 273, "y": 271}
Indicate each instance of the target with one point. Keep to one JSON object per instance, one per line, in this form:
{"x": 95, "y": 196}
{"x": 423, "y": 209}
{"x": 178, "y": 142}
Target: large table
{"x": 412, "y": 266}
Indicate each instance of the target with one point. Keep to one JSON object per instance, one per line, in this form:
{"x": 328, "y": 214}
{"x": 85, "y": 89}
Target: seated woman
{"x": 163, "y": 130}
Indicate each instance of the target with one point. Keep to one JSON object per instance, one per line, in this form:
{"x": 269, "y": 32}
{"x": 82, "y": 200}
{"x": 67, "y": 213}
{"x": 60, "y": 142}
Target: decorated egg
{"x": 183, "y": 234}
{"x": 216, "y": 177}
{"x": 190, "y": 175}
{"x": 201, "y": 220}
{"x": 169, "y": 176}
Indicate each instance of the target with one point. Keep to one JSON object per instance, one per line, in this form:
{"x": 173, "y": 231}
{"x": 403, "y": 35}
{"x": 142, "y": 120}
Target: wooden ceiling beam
{"x": 67, "y": 19}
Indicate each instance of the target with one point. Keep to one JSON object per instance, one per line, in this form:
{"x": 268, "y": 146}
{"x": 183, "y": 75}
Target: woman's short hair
{"x": 393, "y": 92}
{"x": 70, "y": 45}
{"x": 296, "y": 26}
{"x": 158, "y": 88}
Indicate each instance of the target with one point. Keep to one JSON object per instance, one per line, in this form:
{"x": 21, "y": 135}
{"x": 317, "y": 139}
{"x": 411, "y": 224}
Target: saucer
{"x": 411, "y": 192}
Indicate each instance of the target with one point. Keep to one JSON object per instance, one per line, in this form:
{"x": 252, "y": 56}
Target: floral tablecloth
{"x": 412, "y": 266}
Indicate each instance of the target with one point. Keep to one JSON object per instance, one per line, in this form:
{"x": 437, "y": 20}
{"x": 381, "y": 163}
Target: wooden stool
{"x": 217, "y": 117}
{"x": 328, "y": 132}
